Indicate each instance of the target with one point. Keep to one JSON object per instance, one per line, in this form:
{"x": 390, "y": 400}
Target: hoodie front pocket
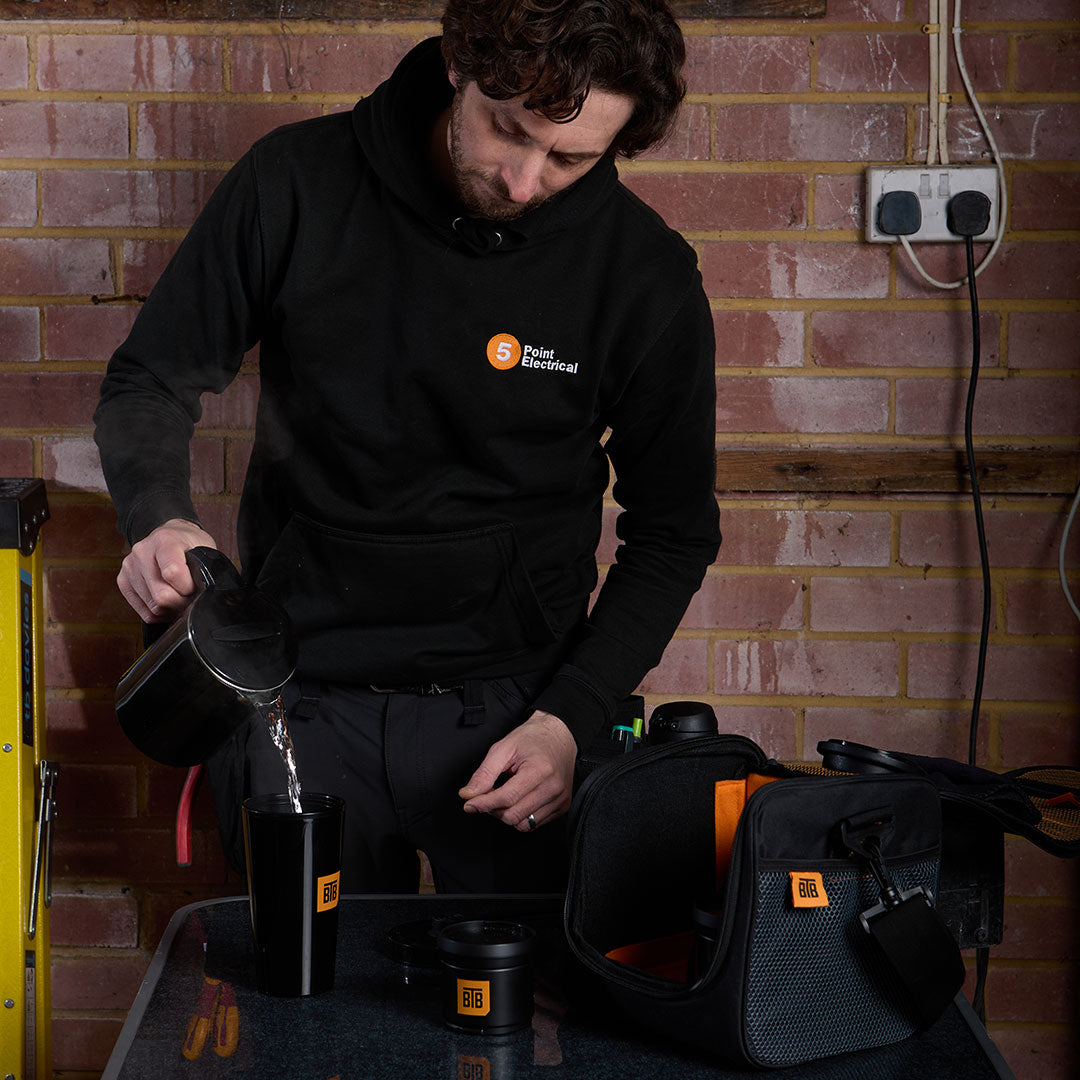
{"x": 394, "y": 608}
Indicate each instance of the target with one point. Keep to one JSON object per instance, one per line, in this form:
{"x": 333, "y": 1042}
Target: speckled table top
{"x": 382, "y": 1019}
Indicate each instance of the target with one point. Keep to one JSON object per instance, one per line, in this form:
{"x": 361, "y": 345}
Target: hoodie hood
{"x": 393, "y": 126}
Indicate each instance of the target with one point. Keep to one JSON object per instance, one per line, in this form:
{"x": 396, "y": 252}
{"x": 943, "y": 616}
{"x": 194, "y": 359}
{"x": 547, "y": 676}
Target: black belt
{"x": 473, "y": 690}
{"x": 420, "y": 689}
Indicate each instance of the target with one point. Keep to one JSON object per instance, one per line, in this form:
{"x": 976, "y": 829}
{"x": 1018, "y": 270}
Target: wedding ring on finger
{"x": 531, "y": 822}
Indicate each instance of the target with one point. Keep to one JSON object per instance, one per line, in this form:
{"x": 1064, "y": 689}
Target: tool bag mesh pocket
{"x": 794, "y": 987}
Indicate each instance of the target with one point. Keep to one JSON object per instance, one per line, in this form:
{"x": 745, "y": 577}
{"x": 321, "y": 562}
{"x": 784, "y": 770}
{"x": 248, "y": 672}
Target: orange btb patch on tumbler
{"x": 326, "y": 891}
{"x": 807, "y": 890}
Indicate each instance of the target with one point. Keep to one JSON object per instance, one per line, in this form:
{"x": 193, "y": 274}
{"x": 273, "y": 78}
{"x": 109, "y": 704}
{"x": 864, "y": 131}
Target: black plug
{"x": 968, "y": 214}
{"x": 899, "y": 213}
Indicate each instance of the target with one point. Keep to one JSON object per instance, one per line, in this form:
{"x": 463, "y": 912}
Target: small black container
{"x": 708, "y": 921}
{"x": 677, "y": 720}
{"x": 487, "y": 976}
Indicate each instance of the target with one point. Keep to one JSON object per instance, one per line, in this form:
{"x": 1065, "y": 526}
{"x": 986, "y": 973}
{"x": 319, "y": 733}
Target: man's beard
{"x": 482, "y": 195}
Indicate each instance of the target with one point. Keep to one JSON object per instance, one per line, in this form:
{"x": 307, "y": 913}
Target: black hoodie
{"x": 428, "y": 472}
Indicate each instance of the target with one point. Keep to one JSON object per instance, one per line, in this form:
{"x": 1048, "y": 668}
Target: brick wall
{"x": 836, "y": 616}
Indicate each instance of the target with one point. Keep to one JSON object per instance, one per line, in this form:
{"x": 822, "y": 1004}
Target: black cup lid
{"x": 482, "y": 939}
{"x": 244, "y": 637}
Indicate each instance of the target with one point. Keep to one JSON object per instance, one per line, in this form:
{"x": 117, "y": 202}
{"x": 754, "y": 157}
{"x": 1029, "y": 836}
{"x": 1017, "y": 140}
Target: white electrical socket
{"x": 935, "y": 185}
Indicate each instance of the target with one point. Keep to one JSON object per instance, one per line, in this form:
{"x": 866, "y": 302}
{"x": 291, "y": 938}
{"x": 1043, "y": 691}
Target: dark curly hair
{"x": 554, "y": 51}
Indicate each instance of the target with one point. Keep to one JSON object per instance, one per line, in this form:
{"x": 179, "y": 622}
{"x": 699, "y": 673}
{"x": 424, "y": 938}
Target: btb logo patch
{"x": 326, "y": 892}
{"x": 503, "y": 351}
{"x": 807, "y": 890}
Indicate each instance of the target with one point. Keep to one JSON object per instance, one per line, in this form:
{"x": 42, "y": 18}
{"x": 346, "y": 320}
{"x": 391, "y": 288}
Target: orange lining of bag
{"x": 730, "y": 801}
{"x": 664, "y": 956}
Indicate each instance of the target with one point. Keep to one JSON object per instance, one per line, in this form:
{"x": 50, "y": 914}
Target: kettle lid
{"x": 244, "y": 637}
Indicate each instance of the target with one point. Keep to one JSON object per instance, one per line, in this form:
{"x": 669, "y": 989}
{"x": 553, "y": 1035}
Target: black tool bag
{"x": 766, "y": 917}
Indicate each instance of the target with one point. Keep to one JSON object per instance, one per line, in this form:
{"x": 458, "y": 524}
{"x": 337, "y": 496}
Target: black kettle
{"x": 230, "y": 652}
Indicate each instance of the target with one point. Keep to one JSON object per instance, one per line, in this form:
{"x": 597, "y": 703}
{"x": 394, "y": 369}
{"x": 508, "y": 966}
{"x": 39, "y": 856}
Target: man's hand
{"x": 154, "y": 577}
{"x": 539, "y": 756}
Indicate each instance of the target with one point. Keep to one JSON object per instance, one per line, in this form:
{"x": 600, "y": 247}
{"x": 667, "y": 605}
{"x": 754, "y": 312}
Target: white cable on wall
{"x": 941, "y": 105}
{"x": 1003, "y": 201}
{"x": 933, "y": 91}
{"x": 1061, "y": 554}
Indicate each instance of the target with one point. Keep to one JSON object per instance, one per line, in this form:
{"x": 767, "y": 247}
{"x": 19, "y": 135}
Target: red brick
{"x": 237, "y": 456}
{"x": 143, "y": 262}
{"x": 804, "y": 538}
{"x": 689, "y": 138}
{"x": 746, "y": 602}
{"x": 1048, "y": 62}
{"x": 1039, "y": 932}
{"x": 1036, "y": 132}
{"x": 16, "y": 457}
{"x": 123, "y": 854}
{"x": 20, "y": 333}
{"x": 1013, "y": 538}
{"x": 63, "y": 129}
{"x": 798, "y": 404}
{"x": 771, "y": 727}
{"x": 1030, "y": 871}
{"x": 899, "y": 62}
{"x": 901, "y": 339}
{"x": 865, "y": 11}
{"x": 84, "y": 594}
{"x": 18, "y": 197}
{"x": 96, "y": 791}
{"x": 86, "y": 331}
{"x": 100, "y": 918}
{"x": 1045, "y": 201}
{"x": 896, "y": 605}
{"x": 812, "y": 668}
{"x": 207, "y": 466}
{"x": 1013, "y": 672}
{"x": 1032, "y": 270}
{"x": 932, "y": 732}
{"x": 72, "y": 464}
{"x": 838, "y": 201}
{"x": 219, "y": 520}
{"x": 1045, "y": 339}
{"x": 724, "y": 200}
{"x": 737, "y": 64}
{"x": 140, "y": 197}
{"x": 80, "y": 529}
{"x": 798, "y": 132}
{"x": 1002, "y": 407}
{"x": 1040, "y": 738}
{"x": 235, "y": 407}
{"x": 1027, "y": 993}
{"x": 1040, "y": 607}
{"x": 52, "y": 399}
{"x": 1033, "y": 10}
{"x": 335, "y": 63}
{"x": 797, "y": 270}
{"x": 87, "y": 730}
{"x": 108, "y": 979}
{"x": 83, "y": 1043}
{"x": 759, "y": 338}
{"x": 1038, "y": 1053}
{"x": 14, "y": 62}
{"x": 63, "y": 266}
{"x": 157, "y": 906}
{"x": 208, "y": 130}
{"x": 129, "y": 62}
{"x": 683, "y": 669}
{"x": 86, "y": 660}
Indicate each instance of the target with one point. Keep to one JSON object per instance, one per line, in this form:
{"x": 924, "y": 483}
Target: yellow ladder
{"x": 27, "y": 780}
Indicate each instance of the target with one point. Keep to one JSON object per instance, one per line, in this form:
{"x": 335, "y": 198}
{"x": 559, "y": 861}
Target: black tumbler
{"x": 487, "y": 976}
{"x": 294, "y": 874}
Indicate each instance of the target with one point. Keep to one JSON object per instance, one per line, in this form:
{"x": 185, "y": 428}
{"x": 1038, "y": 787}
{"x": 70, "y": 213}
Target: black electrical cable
{"x": 984, "y": 560}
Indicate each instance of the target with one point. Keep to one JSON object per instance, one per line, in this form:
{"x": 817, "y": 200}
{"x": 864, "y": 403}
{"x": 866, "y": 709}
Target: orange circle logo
{"x": 503, "y": 351}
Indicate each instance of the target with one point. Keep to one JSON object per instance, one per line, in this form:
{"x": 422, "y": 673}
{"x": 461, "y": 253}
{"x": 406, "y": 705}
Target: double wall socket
{"x": 935, "y": 185}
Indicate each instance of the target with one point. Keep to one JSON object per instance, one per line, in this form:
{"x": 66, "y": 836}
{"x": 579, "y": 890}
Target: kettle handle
{"x": 210, "y": 568}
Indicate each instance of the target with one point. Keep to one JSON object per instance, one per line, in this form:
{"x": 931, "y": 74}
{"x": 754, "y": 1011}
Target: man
{"x": 455, "y": 300}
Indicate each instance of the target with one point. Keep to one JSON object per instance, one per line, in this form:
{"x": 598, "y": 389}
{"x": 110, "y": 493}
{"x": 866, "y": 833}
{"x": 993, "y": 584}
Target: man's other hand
{"x": 154, "y": 576}
{"x": 539, "y": 758}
